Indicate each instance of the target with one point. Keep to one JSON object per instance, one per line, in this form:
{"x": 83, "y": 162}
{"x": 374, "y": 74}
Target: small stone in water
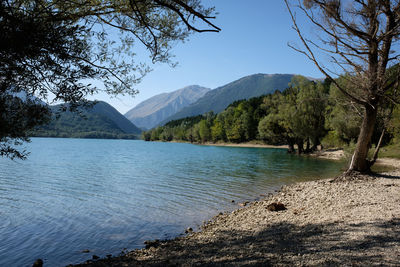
{"x": 38, "y": 263}
{"x": 244, "y": 204}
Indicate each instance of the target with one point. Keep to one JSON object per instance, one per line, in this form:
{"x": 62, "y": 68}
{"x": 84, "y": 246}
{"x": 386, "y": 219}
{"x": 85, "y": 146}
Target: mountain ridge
{"x": 246, "y": 87}
{"x": 152, "y": 111}
{"x": 100, "y": 121}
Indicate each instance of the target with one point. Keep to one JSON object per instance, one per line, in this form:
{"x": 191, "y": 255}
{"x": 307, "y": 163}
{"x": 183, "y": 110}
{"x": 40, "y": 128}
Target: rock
{"x": 95, "y": 257}
{"x": 85, "y": 251}
{"x": 189, "y": 230}
{"x": 276, "y": 206}
{"x": 38, "y": 263}
{"x": 152, "y": 243}
{"x": 244, "y": 204}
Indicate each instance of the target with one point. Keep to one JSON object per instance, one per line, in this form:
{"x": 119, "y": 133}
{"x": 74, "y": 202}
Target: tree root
{"x": 352, "y": 175}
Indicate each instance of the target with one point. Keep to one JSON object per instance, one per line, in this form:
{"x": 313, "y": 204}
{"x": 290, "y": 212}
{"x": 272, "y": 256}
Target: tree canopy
{"x": 307, "y": 116}
{"x": 59, "y": 50}
{"x": 361, "y": 39}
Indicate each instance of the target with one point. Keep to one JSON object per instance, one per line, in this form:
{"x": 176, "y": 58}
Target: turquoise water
{"x": 107, "y": 195}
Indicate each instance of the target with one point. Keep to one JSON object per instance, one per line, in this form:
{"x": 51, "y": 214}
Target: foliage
{"x": 344, "y": 116}
{"x": 66, "y": 50}
{"x": 245, "y": 88}
{"x": 391, "y": 151}
{"x": 278, "y": 118}
{"x": 307, "y": 114}
{"x": 99, "y": 121}
{"x": 361, "y": 38}
{"x": 394, "y": 125}
{"x": 17, "y": 118}
{"x": 332, "y": 140}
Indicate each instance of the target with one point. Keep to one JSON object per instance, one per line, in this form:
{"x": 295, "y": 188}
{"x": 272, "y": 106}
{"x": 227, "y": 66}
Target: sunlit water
{"x": 107, "y": 195}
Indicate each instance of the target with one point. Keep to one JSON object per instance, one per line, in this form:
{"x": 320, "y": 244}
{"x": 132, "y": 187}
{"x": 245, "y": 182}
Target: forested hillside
{"x": 98, "y": 121}
{"x": 306, "y": 114}
{"x": 247, "y": 87}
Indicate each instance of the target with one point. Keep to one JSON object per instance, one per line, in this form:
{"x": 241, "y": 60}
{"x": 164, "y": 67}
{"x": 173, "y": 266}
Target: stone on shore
{"x": 330, "y": 223}
{"x": 276, "y": 206}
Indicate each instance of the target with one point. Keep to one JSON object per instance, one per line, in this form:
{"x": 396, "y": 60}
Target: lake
{"x": 72, "y": 195}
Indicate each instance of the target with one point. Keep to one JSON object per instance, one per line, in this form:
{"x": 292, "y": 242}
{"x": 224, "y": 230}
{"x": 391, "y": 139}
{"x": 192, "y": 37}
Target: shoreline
{"x": 244, "y": 144}
{"x": 326, "y": 222}
{"x": 333, "y": 154}
{"x": 249, "y": 145}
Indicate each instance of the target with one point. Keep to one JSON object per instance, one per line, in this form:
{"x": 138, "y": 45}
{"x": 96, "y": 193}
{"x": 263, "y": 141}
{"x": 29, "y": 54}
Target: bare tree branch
{"x": 312, "y": 57}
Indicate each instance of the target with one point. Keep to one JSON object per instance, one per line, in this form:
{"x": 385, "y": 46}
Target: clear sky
{"x": 253, "y": 40}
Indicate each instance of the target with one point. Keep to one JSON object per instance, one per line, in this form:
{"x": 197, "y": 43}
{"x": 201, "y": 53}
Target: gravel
{"x": 325, "y": 223}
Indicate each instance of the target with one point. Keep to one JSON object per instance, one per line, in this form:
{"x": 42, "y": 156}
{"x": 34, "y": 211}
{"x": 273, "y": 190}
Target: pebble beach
{"x": 330, "y": 222}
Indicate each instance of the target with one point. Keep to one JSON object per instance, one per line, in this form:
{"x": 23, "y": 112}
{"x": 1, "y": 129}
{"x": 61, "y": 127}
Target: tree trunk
{"x": 308, "y": 146}
{"x": 300, "y": 146}
{"x": 291, "y": 146}
{"x": 315, "y": 144}
{"x": 378, "y": 146}
{"x": 359, "y": 160}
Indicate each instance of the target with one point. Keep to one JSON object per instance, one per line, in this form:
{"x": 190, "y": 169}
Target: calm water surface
{"x": 107, "y": 195}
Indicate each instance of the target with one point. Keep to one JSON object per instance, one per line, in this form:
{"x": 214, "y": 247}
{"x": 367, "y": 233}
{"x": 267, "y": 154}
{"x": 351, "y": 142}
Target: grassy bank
{"x": 391, "y": 151}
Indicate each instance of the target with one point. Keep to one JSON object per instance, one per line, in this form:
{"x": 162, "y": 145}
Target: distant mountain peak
{"x": 152, "y": 111}
{"x": 244, "y": 88}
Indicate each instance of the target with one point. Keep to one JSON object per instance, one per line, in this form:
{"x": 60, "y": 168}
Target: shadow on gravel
{"x": 382, "y": 175}
{"x": 334, "y": 244}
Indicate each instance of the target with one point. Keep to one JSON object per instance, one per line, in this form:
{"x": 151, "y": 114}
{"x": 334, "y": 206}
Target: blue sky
{"x": 253, "y": 40}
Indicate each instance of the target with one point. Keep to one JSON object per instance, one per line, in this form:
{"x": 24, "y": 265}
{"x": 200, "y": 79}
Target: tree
{"x": 360, "y": 37}
{"x": 310, "y": 104}
{"x": 18, "y": 116}
{"x": 394, "y": 125}
{"x": 217, "y": 130}
{"x": 271, "y": 130}
{"x": 204, "y": 131}
{"x": 291, "y": 119}
{"x": 234, "y": 129}
{"x": 344, "y": 117}
{"x": 146, "y": 135}
{"x": 59, "y": 50}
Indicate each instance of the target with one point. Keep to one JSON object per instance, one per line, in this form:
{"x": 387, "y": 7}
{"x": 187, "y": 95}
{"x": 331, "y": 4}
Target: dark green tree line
{"x": 307, "y": 116}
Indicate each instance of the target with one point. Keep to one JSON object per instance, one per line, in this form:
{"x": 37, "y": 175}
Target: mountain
{"x": 247, "y": 87}
{"x": 152, "y": 111}
{"x": 108, "y": 111}
{"x": 100, "y": 121}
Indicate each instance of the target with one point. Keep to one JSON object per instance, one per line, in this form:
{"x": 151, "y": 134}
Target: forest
{"x": 308, "y": 115}
{"x": 88, "y": 124}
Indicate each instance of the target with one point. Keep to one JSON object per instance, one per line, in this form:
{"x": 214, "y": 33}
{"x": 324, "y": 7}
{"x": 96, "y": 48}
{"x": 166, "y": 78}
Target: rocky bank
{"x": 325, "y": 223}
